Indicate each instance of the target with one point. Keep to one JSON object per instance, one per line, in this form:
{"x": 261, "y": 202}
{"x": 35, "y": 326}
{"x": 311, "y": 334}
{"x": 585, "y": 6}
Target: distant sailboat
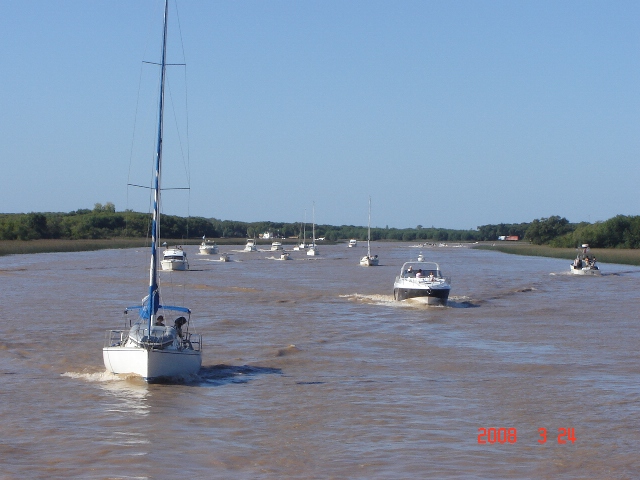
{"x": 313, "y": 250}
{"x": 150, "y": 348}
{"x": 368, "y": 260}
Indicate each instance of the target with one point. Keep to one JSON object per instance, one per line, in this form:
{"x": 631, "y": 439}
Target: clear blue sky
{"x": 448, "y": 113}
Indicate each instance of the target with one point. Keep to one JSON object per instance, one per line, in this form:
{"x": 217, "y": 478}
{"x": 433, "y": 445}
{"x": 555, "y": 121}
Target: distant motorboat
{"x": 208, "y": 248}
{"x": 583, "y": 264}
{"x": 224, "y": 257}
{"x": 276, "y": 246}
{"x": 174, "y": 259}
{"x": 285, "y": 256}
{"x": 250, "y": 246}
{"x": 353, "y": 243}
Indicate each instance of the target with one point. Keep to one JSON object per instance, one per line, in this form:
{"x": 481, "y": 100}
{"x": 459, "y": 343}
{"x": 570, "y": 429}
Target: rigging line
{"x": 186, "y": 100}
{"x": 186, "y": 90}
{"x": 177, "y": 126}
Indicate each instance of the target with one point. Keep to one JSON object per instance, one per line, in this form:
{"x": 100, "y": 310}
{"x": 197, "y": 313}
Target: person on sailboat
{"x": 180, "y": 321}
{"x": 160, "y": 321}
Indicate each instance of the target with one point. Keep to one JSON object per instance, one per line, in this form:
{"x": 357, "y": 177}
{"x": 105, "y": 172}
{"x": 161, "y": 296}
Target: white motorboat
{"x": 313, "y": 249}
{"x": 250, "y": 246}
{"x": 420, "y": 257}
{"x": 285, "y": 256}
{"x": 174, "y": 258}
{"x": 584, "y": 264}
{"x": 368, "y": 260}
{"x": 149, "y": 347}
{"x": 353, "y": 243}
{"x": 422, "y": 279}
{"x": 208, "y": 248}
{"x": 224, "y": 257}
{"x": 276, "y": 246}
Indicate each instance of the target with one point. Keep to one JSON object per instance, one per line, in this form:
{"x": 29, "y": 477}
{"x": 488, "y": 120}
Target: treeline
{"x": 620, "y": 231}
{"x": 104, "y": 222}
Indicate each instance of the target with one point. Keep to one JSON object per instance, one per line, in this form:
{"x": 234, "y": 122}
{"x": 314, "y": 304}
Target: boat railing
{"x": 192, "y": 340}
{"x": 115, "y": 338}
{"x": 423, "y": 280}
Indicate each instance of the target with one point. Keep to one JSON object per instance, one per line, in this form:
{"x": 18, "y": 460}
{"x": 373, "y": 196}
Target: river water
{"x": 311, "y": 370}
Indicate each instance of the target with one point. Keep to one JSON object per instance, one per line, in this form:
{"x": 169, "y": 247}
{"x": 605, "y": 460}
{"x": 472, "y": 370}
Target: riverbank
{"x": 623, "y": 256}
{"x": 20, "y": 247}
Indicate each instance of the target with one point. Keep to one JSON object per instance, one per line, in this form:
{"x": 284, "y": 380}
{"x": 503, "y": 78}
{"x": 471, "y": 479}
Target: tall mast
{"x": 154, "y": 293}
{"x": 369, "y": 231}
{"x": 313, "y": 216}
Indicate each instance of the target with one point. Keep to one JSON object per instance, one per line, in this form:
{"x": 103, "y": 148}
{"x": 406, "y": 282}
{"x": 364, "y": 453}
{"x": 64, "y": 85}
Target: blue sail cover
{"x": 144, "y": 309}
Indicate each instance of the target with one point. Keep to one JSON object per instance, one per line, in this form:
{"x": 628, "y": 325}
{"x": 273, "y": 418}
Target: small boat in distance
{"x": 313, "y": 250}
{"x": 208, "y": 248}
{"x": 149, "y": 347}
{"x": 368, "y": 260}
{"x": 583, "y": 264}
{"x": 174, "y": 259}
{"x": 276, "y": 246}
{"x": 224, "y": 257}
{"x": 422, "y": 279}
{"x": 250, "y": 246}
{"x": 353, "y": 243}
{"x": 285, "y": 256}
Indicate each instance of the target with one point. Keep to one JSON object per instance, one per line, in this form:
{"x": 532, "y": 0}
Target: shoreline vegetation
{"x": 622, "y": 256}
{"x": 616, "y": 240}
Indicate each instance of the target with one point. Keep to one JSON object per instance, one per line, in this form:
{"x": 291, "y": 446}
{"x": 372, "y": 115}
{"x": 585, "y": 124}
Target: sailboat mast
{"x": 154, "y": 293}
{"x": 369, "y": 231}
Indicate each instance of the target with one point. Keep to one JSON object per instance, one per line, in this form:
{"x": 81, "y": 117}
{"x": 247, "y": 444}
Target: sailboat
{"x": 368, "y": 260}
{"x": 313, "y": 250}
{"x": 149, "y": 347}
{"x": 303, "y": 231}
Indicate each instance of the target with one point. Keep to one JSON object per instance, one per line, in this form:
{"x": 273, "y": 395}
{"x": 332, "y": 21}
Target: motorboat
{"x": 420, "y": 257}
{"x": 224, "y": 257}
{"x": 285, "y": 256}
{"x": 250, "y": 246}
{"x": 147, "y": 346}
{"x": 353, "y": 243}
{"x": 276, "y": 246}
{"x": 422, "y": 279}
{"x": 208, "y": 248}
{"x": 174, "y": 258}
{"x": 583, "y": 263}
{"x": 368, "y": 260}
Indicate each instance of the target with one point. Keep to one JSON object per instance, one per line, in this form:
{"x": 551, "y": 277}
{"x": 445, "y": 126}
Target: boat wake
{"x": 218, "y": 375}
{"x": 371, "y": 299}
{"x": 416, "y": 302}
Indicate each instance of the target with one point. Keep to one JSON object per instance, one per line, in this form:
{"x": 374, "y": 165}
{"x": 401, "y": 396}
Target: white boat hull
{"x": 368, "y": 261}
{"x": 208, "y": 250}
{"x": 151, "y": 364}
{"x": 585, "y": 270}
{"x": 312, "y": 252}
{"x": 173, "y": 265}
